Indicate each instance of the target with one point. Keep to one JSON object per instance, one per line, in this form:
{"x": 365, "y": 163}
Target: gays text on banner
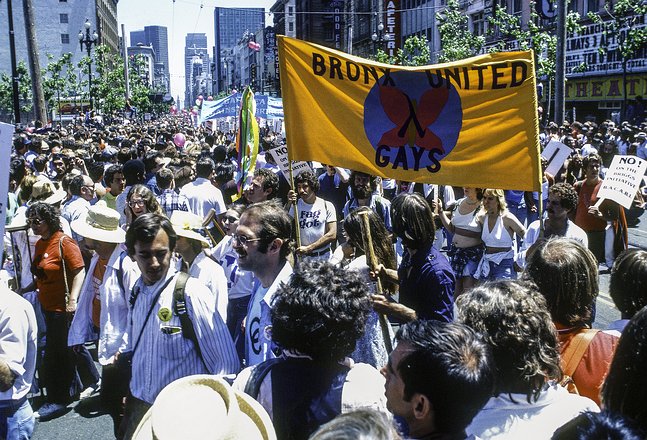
{"x": 468, "y": 123}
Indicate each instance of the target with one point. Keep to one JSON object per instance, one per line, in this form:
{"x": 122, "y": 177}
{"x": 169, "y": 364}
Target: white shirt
{"x": 239, "y": 282}
{"x": 113, "y": 332}
{"x": 120, "y": 202}
{"x": 313, "y": 219}
{"x": 532, "y": 235}
{"x": 512, "y": 417}
{"x": 203, "y": 196}
{"x": 162, "y": 358}
{"x": 258, "y": 346}
{"x": 213, "y": 276}
{"x": 72, "y": 210}
{"x": 18, "y": 331}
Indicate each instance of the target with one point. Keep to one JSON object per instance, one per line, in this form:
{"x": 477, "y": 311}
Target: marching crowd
{"x": 348, "y": 306}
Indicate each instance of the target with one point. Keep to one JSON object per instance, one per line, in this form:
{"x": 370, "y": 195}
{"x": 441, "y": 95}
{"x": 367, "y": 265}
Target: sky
{"x": 180, "y": 17}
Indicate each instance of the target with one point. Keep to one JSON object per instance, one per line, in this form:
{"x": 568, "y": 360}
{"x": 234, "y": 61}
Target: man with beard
{"x": 262, "y": 242}
{"x": 363, "y": 187}
{"x": 562, "y": 201}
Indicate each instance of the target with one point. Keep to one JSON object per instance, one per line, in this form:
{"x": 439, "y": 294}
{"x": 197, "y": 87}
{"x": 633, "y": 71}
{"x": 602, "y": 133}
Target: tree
{"x": 457, "y": 41}
{"x": 624, "y": 34}
{"x": 24, "y": 90}
{"x": 415, "y": 52}
{"x": 55, "y": 79}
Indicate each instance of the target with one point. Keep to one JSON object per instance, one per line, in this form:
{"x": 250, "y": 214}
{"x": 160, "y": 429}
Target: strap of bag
{"x": 150, "y": 309}
{"x": 67, "y": 287}
{"x": 253, "y": 385}
{"x": 179, "y": 307}
{"x": 573, "y": 354}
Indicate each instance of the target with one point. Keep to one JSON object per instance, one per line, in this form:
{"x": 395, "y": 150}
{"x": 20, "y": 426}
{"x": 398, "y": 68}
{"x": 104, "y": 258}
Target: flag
{"x": 246, "y": 141}
{"x": 467, "y": 123}
{"x": 253, "y": 45}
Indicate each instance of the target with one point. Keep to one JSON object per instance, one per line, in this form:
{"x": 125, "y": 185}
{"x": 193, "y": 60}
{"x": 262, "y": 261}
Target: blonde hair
{"x": 499, "y": 194}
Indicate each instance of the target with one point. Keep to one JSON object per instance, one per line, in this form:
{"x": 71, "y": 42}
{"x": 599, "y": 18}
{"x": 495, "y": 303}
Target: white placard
{"x": 6, "y": 139}
{"x": 623, "y": 179}
{"x": 556, "y": 154}
{"x": 280, "y": 155}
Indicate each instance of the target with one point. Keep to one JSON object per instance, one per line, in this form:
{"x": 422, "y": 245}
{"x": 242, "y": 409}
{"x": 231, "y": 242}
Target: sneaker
{"x": 50, "y": 411}
{"x": 90, "y": 391}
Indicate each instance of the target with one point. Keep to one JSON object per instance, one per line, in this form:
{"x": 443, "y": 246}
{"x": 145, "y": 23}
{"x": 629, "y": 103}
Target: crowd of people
{"x": 346, "y": 306}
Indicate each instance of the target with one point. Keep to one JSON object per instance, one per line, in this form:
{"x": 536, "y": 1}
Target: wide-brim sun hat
{"x": 186, "y": 224}
{"x": 204, "y": 407}
{"x": 45, "y": 191}
{"x": 100, "y": 223}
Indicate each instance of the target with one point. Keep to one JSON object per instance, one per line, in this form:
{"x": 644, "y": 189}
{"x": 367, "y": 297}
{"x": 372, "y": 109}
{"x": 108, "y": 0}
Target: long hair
{"x": 567, "y": 276}
{"x": 151, "y": 203}
{"x": 513, "y": 319}
{"x": 626, "y": 384}
{"x": 412, "y": 220}
{"x": 382, "y": 244}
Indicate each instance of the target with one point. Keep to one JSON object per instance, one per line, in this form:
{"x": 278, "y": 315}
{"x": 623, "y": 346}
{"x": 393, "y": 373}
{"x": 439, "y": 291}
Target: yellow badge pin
{"x": 164, "y": 314}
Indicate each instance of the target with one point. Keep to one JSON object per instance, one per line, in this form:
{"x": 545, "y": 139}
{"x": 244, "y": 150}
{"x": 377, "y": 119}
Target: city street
{"x": 86, "y": 421}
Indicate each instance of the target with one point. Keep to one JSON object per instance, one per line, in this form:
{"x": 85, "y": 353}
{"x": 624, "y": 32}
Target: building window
{"x": 65, "y": 38}
{"x": 62, "y": 1}
{"x": 290, "y": 10}
{"x": 478, "y": 24}
{"x": 290, "y": 27}
{"x": 591, "y": 6}
{"x": 64, "y": 18}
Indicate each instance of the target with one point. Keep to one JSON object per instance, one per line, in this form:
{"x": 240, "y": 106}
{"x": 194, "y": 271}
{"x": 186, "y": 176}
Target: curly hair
{"x": 360, "y": 424}
{"x": 274, "y": 223}
{"x": 381, "y": 239}
{"x": 412, "y": 220}
{"x": 628, "y": 285}
{"x": 593, "y": 157}
{"x": 513, "y": 319}
{"x": 48, "y": 213}
{"x": 499, "y": 195}
{"x": 567, "y": 195}
{"x": 308, "y": 178}
{"x": 270, "y": 181}
{"x": 321, "y": 311}
{"x": 572, "y": 287}
{"x": 152, "y": 205}
{"x": 625, "y": 386}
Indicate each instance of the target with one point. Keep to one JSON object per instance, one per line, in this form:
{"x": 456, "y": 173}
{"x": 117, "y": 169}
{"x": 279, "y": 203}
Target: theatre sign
{"x": 584, "y": 57}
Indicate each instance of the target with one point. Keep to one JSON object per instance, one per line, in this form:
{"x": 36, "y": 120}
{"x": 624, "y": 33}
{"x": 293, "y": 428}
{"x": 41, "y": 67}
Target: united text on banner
{"x": 468, "y": 123}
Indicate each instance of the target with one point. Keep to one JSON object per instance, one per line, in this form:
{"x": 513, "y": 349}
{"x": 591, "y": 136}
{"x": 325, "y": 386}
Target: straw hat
{"x": 44, "y": 191}
{"x": 204, "y": 407}
{"x": 185, "y": 225}
{"x": 100, "y": 223}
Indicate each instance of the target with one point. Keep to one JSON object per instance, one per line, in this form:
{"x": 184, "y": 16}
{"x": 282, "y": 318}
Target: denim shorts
{"x": 504, "y": 270}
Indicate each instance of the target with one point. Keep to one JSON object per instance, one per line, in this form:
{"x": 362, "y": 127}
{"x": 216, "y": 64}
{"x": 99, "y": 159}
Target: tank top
{"x": 498, "y": 237}
{"x": 465, "y": 221}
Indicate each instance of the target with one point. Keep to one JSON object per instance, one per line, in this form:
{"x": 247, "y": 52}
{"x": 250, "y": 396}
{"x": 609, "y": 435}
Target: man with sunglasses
{"x": 262, "y": 242}
{"x": 562, "y": 201}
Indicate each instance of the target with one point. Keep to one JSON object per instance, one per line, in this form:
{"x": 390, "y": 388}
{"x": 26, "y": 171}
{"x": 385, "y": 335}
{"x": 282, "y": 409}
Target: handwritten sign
{"x": 280, "y": 155}
{"x": 6, "y": 139}
{"x": 556, "y": 154}
{"x": 623, "y": 179}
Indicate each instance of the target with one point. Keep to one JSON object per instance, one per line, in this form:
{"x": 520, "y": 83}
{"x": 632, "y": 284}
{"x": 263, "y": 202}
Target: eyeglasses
{"x": 35, "y": 221}
{"x": 88, "y": 186}
{"x": 134, "y": 203}
{"x": 243, "y": 240}
{"x": 229, "y": 219}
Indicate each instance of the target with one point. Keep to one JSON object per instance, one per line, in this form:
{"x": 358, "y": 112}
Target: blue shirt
{"x": 428, "y": 288}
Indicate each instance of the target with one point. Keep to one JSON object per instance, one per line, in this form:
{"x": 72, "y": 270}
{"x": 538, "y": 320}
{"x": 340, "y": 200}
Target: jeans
{"x": 16, "y": 420}
{"x": 504, "y": 270}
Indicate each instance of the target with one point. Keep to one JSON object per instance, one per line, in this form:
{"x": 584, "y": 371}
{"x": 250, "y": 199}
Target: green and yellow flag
{"x": 246, "y": 141}
{"x": 467, "y": 123}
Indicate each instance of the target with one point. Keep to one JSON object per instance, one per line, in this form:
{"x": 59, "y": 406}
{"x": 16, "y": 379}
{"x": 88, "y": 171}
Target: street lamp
{"x": 88, "y": 40}
{"x": 378, "y": 37}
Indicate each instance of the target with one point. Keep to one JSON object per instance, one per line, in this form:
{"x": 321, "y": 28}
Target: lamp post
{"x": 88, "y": 39}
{"x": 378, "y": 37}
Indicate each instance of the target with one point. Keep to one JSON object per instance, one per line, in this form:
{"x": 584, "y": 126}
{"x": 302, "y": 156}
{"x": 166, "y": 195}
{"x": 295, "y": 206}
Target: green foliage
{"x": 24, "y": 89}
{"x": 55, "y": 79}
{"x": 621, "y": 27}
{"x": 414, "y": 53}
{"x": 456, "y": 39}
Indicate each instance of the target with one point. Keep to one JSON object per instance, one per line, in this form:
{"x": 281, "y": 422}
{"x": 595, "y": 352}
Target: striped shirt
{"x": 164, "y": 356}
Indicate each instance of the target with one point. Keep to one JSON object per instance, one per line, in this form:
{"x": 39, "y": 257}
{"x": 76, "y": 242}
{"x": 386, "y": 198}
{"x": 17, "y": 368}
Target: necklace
{"x": 471, "y": 203}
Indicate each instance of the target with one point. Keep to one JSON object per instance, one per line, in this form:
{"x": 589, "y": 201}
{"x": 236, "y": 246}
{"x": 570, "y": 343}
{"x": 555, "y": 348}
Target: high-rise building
{"x": 157, "y": 38}
{"x": 195, "y": 45}
{"x": 230, "y": 24}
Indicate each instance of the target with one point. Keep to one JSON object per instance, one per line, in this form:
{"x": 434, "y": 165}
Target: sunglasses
{"x": 243, "y": 240}
{"x": 35, "y": 221}
{"x": 229, "y": 219}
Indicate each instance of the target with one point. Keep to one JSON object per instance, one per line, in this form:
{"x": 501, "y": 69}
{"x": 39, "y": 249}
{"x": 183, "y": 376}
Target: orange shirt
{"x": 592, "y": 369}
{"x": 48, "y": 270}
{"x": 587, "y": 197}
{"x": 97, "y": 280}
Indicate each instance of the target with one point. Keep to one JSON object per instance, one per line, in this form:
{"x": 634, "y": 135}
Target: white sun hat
{"x": 100, "y": 223}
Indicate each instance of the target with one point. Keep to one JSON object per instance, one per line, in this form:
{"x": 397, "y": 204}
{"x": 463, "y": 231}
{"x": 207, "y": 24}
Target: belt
{"x": 13, "y": 405}
{"x": 319, "y": 253}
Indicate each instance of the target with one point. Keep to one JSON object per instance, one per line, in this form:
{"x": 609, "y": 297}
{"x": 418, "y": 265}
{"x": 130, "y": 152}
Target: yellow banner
{"x": 468, "y": 123}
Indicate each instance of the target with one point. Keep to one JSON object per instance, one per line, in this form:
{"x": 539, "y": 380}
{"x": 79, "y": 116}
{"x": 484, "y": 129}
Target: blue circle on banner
{"x": 412, "y": 109}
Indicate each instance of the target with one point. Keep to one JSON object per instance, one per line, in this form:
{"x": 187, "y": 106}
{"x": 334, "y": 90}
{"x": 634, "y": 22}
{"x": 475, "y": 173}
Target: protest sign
{"x": 623, "y": 178}
{"x": 280, "y": 155}
{"x": 6, "y": 139}
{"x": 556, "y": 154}
{"x": 468, "y": 123}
